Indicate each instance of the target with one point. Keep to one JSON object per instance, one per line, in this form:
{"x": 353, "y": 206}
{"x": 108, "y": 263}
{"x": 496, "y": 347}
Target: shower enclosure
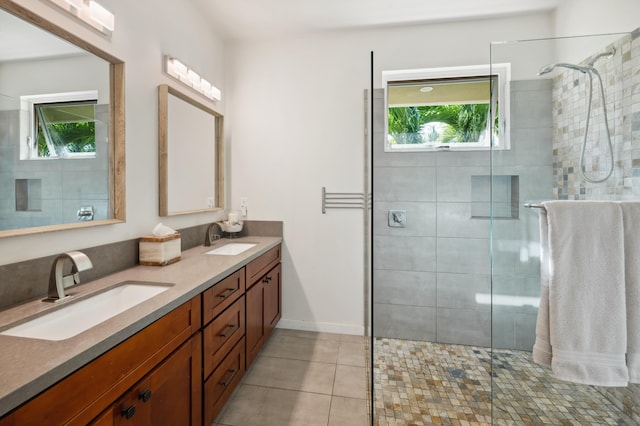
{"x": 455, "y": 291}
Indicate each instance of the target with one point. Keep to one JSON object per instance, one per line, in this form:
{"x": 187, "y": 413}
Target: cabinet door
{"x": 272, "y": 300}
{"x": 176, "y": 387}
{"x": 132, "y": 409}
{"x": 263, "y": 311}
{"x": 170, "y": 395}
{"x": 254, "y": 322}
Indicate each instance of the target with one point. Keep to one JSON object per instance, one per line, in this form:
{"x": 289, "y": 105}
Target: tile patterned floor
{"x": 422, "y": 383}
{"x": 303, "y": 378}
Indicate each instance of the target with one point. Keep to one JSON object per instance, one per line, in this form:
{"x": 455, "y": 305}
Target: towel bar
{"x": 534, "y": 206}
{"x": 342, "y": 200}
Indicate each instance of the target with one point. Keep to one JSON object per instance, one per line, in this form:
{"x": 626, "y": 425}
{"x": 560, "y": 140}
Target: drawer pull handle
{"x": 232, "y": 374}
{"x": 145, "y": 395}
{"x": 129, "y": 412}
{"x": 227, "y": 331}
{"x": 267, "y": 280}
{"x": 227, "y": 293}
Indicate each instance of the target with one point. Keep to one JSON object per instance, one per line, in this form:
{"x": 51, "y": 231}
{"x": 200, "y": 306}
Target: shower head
{"x": 548, "y": 68}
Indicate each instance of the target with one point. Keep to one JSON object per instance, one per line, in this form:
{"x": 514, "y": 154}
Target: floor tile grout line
{"x": 303, "y": 391}
{"x": 307, "y": 360}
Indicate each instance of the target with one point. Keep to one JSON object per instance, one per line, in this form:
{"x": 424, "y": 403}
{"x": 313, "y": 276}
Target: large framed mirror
{"x": 190, "y": 154}
{"x": 62, "y": 161}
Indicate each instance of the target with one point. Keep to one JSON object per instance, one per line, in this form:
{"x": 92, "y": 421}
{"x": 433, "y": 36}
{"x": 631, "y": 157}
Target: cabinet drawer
{"x": 220, "y": 296}
{"x": 262, "y": 265}
{"x": 222, "y": 334}
{"x": 84, "y": 394}
{"x": 218, "y": 388}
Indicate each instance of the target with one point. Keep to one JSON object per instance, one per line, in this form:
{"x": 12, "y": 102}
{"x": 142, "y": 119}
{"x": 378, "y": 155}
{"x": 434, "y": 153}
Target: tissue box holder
{"x": 159, "y": 251}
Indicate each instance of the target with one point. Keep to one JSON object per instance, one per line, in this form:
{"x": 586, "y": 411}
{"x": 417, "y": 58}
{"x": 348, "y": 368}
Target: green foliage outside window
{"x": 72, "y": 137}
{"x": 65, "y": 128}
{"x": 453, "y": 123}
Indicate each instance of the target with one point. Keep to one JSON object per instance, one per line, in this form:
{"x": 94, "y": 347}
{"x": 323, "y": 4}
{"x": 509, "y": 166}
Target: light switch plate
{"x": 397, "y": 218}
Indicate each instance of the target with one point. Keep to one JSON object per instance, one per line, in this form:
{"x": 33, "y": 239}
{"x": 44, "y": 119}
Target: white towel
{"x": 631, "y": 219}
{"x": 586, "y": 293}
{"x": 542, "y": 346}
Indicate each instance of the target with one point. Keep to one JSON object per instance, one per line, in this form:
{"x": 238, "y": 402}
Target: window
{"x": 455, "y": 108}
{"x": 60, "y": 125}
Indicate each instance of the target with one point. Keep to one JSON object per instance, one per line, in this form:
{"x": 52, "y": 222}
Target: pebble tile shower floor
{"x": 424, "y": 383}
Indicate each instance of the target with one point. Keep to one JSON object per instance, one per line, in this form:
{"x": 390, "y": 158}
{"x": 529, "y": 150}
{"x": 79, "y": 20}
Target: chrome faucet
{"x": 213, "y": 234}
{"x": 58, "y": 281}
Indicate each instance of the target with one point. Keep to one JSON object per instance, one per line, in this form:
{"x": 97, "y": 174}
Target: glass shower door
{"x": 550, "y": 100}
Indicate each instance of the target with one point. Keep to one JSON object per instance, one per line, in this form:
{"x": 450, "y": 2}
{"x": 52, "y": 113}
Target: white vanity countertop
{"x": 29, "y": 366}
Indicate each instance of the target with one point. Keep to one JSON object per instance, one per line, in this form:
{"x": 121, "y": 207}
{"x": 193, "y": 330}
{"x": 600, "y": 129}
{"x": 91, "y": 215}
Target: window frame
{"x": 28, "y": 104}
{"x": 501, "y": 71}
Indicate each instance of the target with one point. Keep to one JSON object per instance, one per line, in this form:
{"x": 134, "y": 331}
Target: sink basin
{"x": 231, "y": 249}
{"x": 75, "y": 317}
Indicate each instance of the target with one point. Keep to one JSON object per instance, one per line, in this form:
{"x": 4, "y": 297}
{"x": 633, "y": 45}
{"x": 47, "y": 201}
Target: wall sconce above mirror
{"x": 51, "y": 174}
{"x": 190, "y": 154}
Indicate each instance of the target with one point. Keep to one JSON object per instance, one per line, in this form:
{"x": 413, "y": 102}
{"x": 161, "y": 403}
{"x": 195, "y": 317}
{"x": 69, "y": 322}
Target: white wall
{"x": 145, "y": 31}
{"x": 592, "y": 17}
{"x": 295, "y": 124}
{"x": 586, "y": 17}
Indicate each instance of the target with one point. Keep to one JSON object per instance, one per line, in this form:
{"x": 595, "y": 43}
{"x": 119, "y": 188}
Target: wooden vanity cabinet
{"x": 179, "y": 370}
{"x": 263, "y": 301}
{"x": 86, "y": 393}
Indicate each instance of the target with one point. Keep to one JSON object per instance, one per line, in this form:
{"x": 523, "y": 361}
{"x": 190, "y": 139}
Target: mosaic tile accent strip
{"x": 621, "y": 80}
{"x": 423, "y": 383}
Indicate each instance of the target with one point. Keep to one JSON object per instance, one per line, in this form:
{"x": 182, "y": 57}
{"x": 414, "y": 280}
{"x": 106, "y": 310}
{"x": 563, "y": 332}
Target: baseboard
{"x": 321, "y": 327}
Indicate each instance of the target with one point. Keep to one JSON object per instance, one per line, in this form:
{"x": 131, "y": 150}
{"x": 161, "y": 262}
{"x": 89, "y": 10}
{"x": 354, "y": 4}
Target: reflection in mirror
{"x": 61, "y": 128}
{"x": 191, "y": 163}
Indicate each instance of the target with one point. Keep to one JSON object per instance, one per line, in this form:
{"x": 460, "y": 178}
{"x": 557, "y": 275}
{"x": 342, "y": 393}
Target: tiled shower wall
{"x": 621, "y": 78}
{"x": 65, "y": 185}
{"x": 432, "y": 279}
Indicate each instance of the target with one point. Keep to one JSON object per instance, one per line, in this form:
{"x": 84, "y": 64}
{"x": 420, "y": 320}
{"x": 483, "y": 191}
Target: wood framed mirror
{"x": 190, "y": 154}
{"x": 51, "y": 186}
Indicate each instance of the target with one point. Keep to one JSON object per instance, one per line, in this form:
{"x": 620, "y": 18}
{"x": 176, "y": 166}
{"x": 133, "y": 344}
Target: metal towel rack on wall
{"x": 342, "y": 200}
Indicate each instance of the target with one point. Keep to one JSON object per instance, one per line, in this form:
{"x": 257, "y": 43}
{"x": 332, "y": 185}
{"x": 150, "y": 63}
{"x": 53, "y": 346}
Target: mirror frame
{"x": 116, "y": 133}
{"x": 164, "y": 90}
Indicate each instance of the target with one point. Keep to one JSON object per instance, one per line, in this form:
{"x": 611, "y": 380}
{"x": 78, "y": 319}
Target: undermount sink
{"x": 74, "y": 317}
{"x": 231, "y": 249}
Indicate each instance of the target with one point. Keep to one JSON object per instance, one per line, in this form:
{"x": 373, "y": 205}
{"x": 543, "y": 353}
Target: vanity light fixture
{"x": 76, "y": 3}
{"x": 179, "y": 71}
{"x": 101, "y": 16}
{"x": 90, "y": 12}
